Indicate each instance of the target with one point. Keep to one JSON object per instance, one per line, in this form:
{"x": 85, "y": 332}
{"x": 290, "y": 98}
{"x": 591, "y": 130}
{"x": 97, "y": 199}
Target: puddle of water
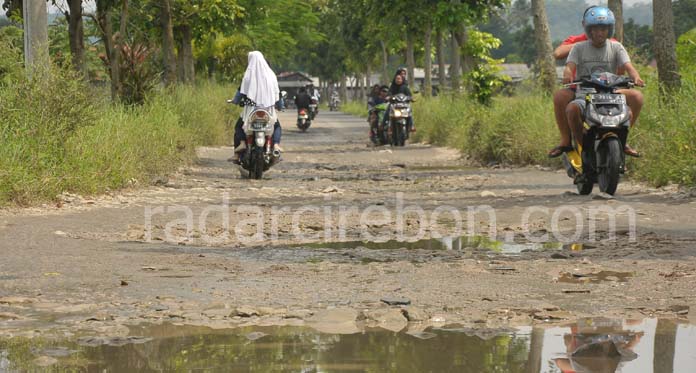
{"x": 446, "y": 243}
{"x": 594, "y": 277}
{"x": 589, "y": 345}
{"x": 440, "y": 168}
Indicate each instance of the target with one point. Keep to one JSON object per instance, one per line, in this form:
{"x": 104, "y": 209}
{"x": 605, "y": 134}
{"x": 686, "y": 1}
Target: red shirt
{"x": 572, "y": 39}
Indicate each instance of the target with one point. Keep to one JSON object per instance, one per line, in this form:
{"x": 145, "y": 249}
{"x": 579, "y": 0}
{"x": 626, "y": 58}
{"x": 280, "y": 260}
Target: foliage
{"x": 638, "y": 40}
{"x": 684, "y": 16}
{"x": 138, "y": 74}
{"x": 520, "y": 130}
{"x": 58, "y": 134}
{"x": 285, "y": 31}
{"x": 686, "y": 50}
{"x": 208, "y": 17}
{"x": 11, "y": 66}
{"x": 484, "y": 77}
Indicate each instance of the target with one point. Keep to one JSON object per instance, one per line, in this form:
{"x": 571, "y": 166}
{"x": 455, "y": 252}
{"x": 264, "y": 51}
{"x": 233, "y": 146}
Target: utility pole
{"x": 35, "y": 33}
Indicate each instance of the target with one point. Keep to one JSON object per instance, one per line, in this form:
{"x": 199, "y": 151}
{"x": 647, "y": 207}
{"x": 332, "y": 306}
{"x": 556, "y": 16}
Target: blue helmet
{"x": 596, "y": 16}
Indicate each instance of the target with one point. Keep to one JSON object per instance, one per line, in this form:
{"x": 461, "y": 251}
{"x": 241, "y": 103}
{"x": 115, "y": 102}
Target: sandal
{"x": 630, "y": 151}
{"x": 560, "y": 149}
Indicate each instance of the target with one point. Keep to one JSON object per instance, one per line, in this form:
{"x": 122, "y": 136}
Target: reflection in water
{"x": 591, "y": 345}
{"x": 291, "y": 349}
{"x": 445, "y": 243}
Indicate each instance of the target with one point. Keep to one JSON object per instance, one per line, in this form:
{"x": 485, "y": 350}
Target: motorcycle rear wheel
{"x": 609, "y": 174}
{"x": 257, "y": 164}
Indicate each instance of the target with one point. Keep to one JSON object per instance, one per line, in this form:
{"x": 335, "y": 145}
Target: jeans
{"x": 240, "y": 136}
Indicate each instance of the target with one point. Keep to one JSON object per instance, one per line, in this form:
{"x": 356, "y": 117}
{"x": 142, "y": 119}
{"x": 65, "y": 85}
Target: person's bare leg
{"x": 574, "y": 117}
{"x": 561, "y": 99}
{"x": 634, "y": 100}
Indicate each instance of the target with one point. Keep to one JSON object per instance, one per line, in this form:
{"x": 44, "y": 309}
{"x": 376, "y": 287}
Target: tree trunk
{"x": 542, "y": 39}
{"x": 455, "y": 64}
{"x": 616, "y": 6}
{"x": 106, "y": 29}
{"x": 428, "y": 89}
{"x": 440, "y": 51}
{"x": 385, "y": 62}
{"x": 76, "y": 35}
{"x": 664, "y": 47}
{"x": 410, "y": 60}
{"x": 462, "y": 36}
{"x": 344, "y": 90}
{"x": 168, "y": 55}
{"x": 368, "y": 86}
{"x": 185, "y": 61}
{"x": 536, "y": 345}
{"x": 115, "y": 59}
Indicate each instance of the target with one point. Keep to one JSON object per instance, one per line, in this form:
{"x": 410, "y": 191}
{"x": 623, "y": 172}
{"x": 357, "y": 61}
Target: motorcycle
{"x": 303, "y": 120}
{"x": 606, "y": 123}
{"x": 399, "y": 112}
{"x": 334, "y": 103}
{"x": 379, "y": 131}
{"x": 259, "y": 155}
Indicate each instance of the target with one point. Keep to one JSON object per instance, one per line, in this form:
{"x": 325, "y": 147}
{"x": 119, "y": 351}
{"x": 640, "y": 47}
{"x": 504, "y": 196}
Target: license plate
{"x": 608, "y": 99}
{"x": 258, "y": 125}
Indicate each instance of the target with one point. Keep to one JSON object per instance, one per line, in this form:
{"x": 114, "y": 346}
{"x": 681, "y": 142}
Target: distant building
{"x": 292, "y": 81}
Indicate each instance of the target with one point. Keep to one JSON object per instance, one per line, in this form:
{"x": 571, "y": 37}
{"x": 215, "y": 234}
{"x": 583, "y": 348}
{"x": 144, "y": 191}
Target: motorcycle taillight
{"x": 303, "y": 112}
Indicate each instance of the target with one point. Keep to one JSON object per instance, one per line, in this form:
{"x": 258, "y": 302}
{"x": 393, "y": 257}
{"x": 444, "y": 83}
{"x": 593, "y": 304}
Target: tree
{"x": 168, "y": 55}
{"x": 76, "y": 33}
{"x": 664, "y": 46}
{"x": 684, "y": 16}
{"x": 12, "y": 8}
{"x": 202, "y": 21}
{"x": 428, "y": 60}
{"x": 547, "y": 69}
{"x": 665, "y": 344}
{"x": 616, "y": 6}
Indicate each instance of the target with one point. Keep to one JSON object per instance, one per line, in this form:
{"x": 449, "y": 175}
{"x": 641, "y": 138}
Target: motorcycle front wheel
{"x": 609, "y": 173}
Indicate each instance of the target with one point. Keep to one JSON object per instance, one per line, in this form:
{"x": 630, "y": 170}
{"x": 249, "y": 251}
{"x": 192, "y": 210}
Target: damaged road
{"x": 341, "y": 235}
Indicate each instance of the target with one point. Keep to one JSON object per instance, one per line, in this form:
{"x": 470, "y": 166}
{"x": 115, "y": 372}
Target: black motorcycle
{"x": 399, "y": 113}
{"x": 607, "y": 122}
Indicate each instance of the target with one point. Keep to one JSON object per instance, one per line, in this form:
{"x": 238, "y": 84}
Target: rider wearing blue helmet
{"x": 597, "y": 54}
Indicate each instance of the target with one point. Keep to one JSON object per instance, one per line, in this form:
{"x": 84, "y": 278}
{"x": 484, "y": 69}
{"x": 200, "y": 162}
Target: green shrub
{"x": 58, "y": 135}
{"x": 520, "y": 130}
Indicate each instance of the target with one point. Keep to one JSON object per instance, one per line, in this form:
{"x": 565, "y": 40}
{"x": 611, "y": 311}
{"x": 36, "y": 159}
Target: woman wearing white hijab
{"x": 259, "y": 89}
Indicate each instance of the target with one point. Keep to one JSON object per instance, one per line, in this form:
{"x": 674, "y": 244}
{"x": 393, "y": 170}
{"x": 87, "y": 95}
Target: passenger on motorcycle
{"x": 259, "y": 89}
{"x": 378, "y": 97}
{"x": 587, "y": 48}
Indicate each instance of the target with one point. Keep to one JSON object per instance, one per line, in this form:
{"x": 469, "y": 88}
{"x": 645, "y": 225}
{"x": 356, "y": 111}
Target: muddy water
{"x": 589, "y": 345}
{"x": 461, "y": 243}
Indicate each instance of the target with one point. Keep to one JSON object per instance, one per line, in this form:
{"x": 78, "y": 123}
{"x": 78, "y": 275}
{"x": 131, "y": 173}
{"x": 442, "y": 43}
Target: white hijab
{"x": 260, "y": 83}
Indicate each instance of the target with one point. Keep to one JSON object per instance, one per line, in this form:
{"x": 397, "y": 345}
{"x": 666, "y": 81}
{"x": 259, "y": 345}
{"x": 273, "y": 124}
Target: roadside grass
{"x": 60, "y": 135}
{"x": 357, "y": 108}
{"x": 519, "y": 130}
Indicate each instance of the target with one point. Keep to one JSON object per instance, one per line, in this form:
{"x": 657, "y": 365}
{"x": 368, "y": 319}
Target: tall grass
{"x": 519, "y": 130}
{"x": 357, "y": 108}
{"x": 57, "y": 134}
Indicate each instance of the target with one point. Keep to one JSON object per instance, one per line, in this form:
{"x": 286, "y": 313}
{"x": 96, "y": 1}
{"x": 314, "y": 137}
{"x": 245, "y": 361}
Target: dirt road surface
{"x": 97, "y": 264}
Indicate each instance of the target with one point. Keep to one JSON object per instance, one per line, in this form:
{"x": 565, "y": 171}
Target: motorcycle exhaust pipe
{"x": 276, "y": 153}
